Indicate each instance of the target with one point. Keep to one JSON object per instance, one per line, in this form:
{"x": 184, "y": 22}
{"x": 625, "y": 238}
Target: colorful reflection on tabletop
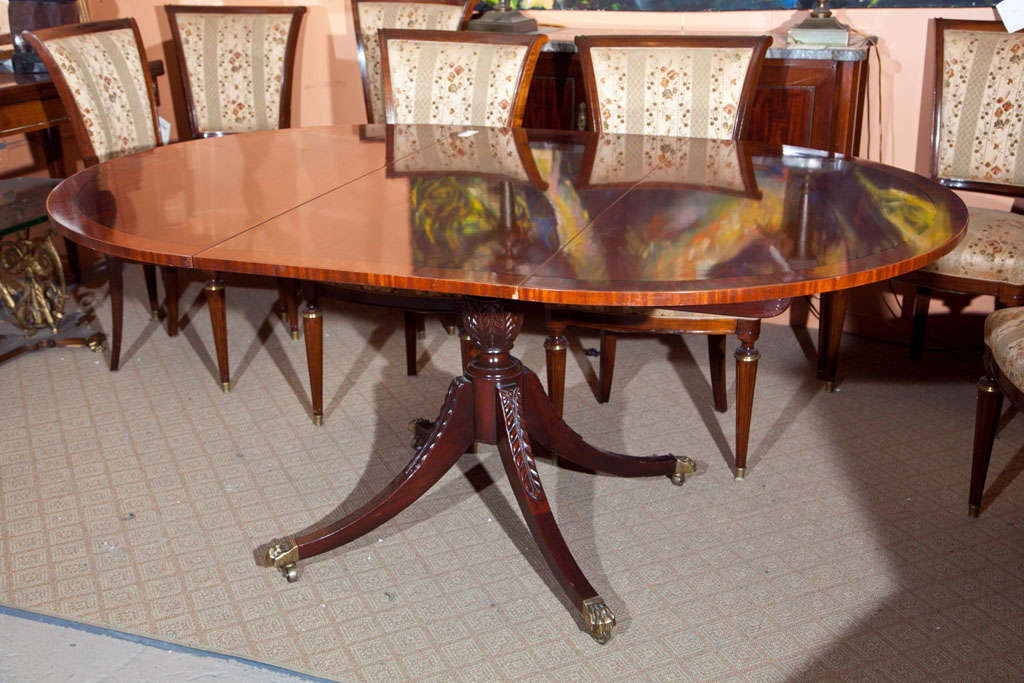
{"x": 648, "y": 209}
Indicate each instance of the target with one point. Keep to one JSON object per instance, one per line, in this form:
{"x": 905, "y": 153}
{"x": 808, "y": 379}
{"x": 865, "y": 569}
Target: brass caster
{"x": 155, "y": 314}
{"x": 830, "y": 387}
{"x": 450, "y": 329}
{"x": 973, "y": 510}
{"x": 284, "y": 556}
{"x": 741, "y": 473}
{"x": 225, "y": 387}
{"x": 421, "y": 334}
{"x": 684, "y": 466}
{"x": 282, "y": 314}
{"x": 420, "y": 429}
{"x": 599, "y": 619}
{"x": 318, "y": 420}
{"x": 95, "y": 343}
{"x": 295, "y": 334}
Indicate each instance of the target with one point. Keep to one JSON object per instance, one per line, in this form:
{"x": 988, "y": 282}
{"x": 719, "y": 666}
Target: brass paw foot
{"x": 420, "y": 429}
{"x": 284, "y": 556}
{"x": 684, "y": 466}
{"x": 599, "y": 619}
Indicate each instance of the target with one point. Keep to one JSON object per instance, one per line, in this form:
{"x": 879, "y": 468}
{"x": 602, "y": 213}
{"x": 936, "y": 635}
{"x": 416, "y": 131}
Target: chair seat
{"x": 1004, "y": 336}
{"x": 991, "y": 250}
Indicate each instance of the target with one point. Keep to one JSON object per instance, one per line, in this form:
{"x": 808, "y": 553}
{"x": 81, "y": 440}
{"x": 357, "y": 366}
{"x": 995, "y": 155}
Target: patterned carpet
{"x": 136, "y": 500}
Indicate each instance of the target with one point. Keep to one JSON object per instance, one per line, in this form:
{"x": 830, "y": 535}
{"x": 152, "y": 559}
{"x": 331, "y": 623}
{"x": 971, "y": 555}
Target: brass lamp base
{"x": 503, "y": 22}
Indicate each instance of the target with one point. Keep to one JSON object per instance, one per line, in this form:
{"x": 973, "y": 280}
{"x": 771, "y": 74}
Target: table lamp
{"x": 503, "y": 19}
{"x": 35, "y": 14}
{"x": 820, "y": 28}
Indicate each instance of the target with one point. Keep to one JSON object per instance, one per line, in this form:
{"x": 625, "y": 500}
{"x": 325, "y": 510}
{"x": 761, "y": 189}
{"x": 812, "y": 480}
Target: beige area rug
{"x": 135, "y": 500}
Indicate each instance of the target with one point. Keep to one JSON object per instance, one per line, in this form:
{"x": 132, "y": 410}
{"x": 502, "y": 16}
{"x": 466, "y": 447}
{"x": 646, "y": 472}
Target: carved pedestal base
{"x": 496, "y": 401}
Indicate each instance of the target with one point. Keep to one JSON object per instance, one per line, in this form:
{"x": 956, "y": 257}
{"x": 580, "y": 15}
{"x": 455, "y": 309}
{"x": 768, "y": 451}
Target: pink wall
{"x": 328, "y": 85}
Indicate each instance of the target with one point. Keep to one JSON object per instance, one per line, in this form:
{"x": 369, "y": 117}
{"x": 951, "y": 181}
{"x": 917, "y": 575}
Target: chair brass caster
{"x": 284, "y": 556}
{"x": 684, "y": 466}
{"x": 599, "y": 619}
{"x": 295, "y": 334}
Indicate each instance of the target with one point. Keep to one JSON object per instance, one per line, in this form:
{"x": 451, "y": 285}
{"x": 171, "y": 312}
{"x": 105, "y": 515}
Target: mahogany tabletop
{"x": 543, "y": 216}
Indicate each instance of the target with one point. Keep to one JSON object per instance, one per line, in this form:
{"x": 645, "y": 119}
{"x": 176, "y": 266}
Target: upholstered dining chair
{"x": 100, "y": 72}
{"x": 1004, "y": 376}
{"x": 369, "y": 16}
{"x": 976, "y": 145}
{"x": 681, "y": 86}
{"x": 236, "y": 65}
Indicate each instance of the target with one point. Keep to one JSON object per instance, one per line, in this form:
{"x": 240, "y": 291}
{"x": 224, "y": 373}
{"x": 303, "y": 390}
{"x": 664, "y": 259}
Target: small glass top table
{"x": 497, "y": 217}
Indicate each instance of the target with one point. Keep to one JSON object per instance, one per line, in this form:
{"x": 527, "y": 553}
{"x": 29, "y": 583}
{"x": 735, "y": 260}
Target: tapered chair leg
{"x": 716, "y": 356}
{"x": 313, "y": 328}
{"x": 149, "y": 270}
{"x": 115, "y": 271}
{"x": 921, "y": 301}
{"x": 830, "y": 335}
{"x": 747, "y": 356}
{"x": 287, "y": 289}
{"x": 171, "y": 295}
{"x": 604, "y": 380}
{"x": 411, "y": 331}
{"x": 555, "y": 347}
{"x": 219, "y": 322}
{"x": 990, "y": 404}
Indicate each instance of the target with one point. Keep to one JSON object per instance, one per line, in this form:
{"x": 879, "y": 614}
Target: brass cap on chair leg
{"x": 318, "y": 419}
{"x": 295, "y": 334}
{"x": 973, "y": 510}
{"x": 225, "y": 387}
{"x": 741, "y": 473}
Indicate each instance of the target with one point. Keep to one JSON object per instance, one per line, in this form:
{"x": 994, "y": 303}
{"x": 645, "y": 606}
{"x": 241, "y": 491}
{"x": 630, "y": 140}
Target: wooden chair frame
{"x": 37, "y": 39}
{"x": 467, "y": 10}
{"x": 532, "y": 42}
{"x": 925, "y": 282}
{"x": 747, "y": 328}
{"x": 285, "y": 112}
{"x": 758, "y": 46}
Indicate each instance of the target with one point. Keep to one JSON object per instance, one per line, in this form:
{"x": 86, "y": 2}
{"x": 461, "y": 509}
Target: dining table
{"x": 505, "y": 222}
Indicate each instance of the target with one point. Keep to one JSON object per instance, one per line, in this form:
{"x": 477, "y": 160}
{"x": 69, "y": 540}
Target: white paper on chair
{"x": 1012, "y": 14}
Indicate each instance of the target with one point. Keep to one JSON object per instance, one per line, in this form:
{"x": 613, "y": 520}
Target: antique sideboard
{"x": 806, "y": 96}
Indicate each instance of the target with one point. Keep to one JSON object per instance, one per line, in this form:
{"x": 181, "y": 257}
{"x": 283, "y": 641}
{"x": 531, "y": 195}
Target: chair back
{"x": 100, "y": 71}
{"x": 977, "y": 121}
{"x": 236, "y": 65}
{"x": 690, "y": 86}
{"x": 369, "y": 16}
{"x": 457, "y": 77}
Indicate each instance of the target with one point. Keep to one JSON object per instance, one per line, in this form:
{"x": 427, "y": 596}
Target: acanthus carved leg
{"x": 452, "y": 434}
{"x": 521, "y": 468}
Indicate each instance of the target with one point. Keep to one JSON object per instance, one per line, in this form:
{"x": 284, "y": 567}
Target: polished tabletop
{"x": 558, "y": 217}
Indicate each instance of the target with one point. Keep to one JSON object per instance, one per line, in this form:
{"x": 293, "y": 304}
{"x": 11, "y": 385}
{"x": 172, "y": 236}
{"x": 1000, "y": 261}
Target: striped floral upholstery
{"x": 235, "y": 66}
{"x": 458, "y": 83}
{"x": 377, "y": 15}
{"x": 1004, "y": 336}
{"x": 993, "y": 249}
{"x": 107, "y": 80}
{"x": 982, "y": 119}
{"x": 486, "y": 151}
{"x": 666, "y": 159}
{"x": 683, "y": 91}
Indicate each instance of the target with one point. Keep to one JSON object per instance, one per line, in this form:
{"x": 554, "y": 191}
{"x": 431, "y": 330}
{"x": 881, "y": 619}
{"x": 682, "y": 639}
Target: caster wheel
{"x": 291, "y": 572}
